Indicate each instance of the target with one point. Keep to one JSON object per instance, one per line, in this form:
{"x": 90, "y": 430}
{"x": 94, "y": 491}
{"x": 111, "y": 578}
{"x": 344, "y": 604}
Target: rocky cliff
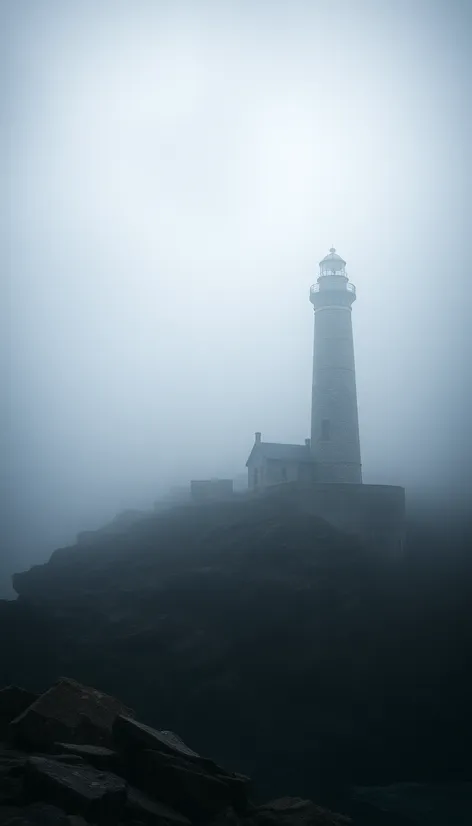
{"x": 277, "y": 643}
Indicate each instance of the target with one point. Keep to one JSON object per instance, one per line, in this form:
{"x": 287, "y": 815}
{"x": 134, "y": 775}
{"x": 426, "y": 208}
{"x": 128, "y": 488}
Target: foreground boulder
{"x": 68, "y": 711}
{"x": 157, "y": 759}
{"x": 99, "y": 796}
{"x": 141, "y": 776}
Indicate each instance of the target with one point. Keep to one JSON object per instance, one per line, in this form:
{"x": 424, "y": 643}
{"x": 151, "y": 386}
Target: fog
{"x": 175, "y": 172}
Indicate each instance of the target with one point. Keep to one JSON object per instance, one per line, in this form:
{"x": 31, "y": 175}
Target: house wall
{"x": 276, "y": 472}
{"x": 258, "y": 476}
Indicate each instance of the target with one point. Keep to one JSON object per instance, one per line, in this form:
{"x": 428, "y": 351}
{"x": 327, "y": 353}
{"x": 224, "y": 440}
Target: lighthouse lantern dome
{"x": 332, "y": 264}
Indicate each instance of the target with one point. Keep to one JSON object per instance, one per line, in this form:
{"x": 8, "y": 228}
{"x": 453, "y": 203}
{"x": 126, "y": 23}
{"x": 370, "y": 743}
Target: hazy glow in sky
{"x": 177, "y": 171}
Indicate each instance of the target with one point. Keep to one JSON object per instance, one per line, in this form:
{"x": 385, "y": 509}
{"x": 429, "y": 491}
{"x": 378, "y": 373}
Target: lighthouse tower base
{"x": 374, "y": 513}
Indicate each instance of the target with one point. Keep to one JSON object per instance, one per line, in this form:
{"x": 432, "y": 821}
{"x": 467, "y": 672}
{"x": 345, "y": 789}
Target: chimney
{"x": 258, "y": 438}
{"x": 308, "y": 442}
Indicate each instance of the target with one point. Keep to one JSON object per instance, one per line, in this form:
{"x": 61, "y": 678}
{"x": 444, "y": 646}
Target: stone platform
{"x": 375, "y": 513}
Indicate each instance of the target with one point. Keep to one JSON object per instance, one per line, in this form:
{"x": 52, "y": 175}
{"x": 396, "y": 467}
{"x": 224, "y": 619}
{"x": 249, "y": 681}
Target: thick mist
{"x": 176, "y": 171}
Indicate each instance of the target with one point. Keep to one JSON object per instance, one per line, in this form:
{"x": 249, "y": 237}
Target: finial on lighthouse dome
{"x": 332, "y": 264}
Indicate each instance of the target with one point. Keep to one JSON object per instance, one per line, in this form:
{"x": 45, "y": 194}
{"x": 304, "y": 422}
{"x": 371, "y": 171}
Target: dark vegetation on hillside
{"x": 277, "y": 644}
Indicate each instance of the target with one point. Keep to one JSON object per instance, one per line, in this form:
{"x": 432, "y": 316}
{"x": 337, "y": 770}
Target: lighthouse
{"x": 323, "y": 476}
{"x": 335, "y": 444}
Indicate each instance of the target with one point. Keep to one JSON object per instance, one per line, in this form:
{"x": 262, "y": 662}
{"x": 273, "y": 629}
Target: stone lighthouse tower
{"x": 334, "y": 419}
{"x": 323, "y": 477}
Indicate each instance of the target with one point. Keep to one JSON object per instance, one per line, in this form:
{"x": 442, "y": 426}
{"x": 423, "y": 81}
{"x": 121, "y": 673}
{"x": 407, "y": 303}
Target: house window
{"x": 325, "y": 430}
{"x": 284, "y": 474}
{"x": 256, "y": 477}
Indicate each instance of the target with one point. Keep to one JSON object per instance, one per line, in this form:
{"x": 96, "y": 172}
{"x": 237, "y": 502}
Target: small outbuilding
{"x": 273, "y": 463}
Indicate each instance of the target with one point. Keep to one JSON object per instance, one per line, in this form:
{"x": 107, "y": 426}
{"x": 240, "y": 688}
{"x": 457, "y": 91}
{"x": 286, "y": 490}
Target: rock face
{"x": 147, "y": 777}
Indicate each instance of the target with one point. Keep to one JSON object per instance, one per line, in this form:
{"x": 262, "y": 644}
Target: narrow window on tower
{"x": 325, "y": 430}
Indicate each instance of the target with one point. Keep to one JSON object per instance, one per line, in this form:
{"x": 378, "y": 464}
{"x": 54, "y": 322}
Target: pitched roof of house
{"x": 281, "y": 452}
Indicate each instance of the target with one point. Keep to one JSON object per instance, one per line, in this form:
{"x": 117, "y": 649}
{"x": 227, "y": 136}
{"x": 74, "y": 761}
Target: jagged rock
{"x": 180, "y": 784}
{"x": 98, "y": 756}
{"x": 37, "y": 814}
{"x": 99, "y": 796}
{"x": 292, "y": 811}
{"x": 172, "y": 736}
{"x": 203, "y": 787}
{"x": 196, "y": 785}
{"x": 131, "y": 735}
{"x": 68, "y": 712}
{"x": 144, "y": 809}
{"x": 166, "y": 749}
{"x": 13, "y": 702}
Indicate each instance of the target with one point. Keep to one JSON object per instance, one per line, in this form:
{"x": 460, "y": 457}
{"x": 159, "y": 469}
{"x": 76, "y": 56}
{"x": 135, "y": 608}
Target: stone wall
{"x": 375, "y": 513}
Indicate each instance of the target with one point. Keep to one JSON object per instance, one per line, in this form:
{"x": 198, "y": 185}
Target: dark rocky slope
{"x": 280, "y": 645}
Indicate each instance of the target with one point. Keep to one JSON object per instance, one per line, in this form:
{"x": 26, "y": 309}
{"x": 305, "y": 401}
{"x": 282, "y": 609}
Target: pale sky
{"x": 176, "y": 172}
